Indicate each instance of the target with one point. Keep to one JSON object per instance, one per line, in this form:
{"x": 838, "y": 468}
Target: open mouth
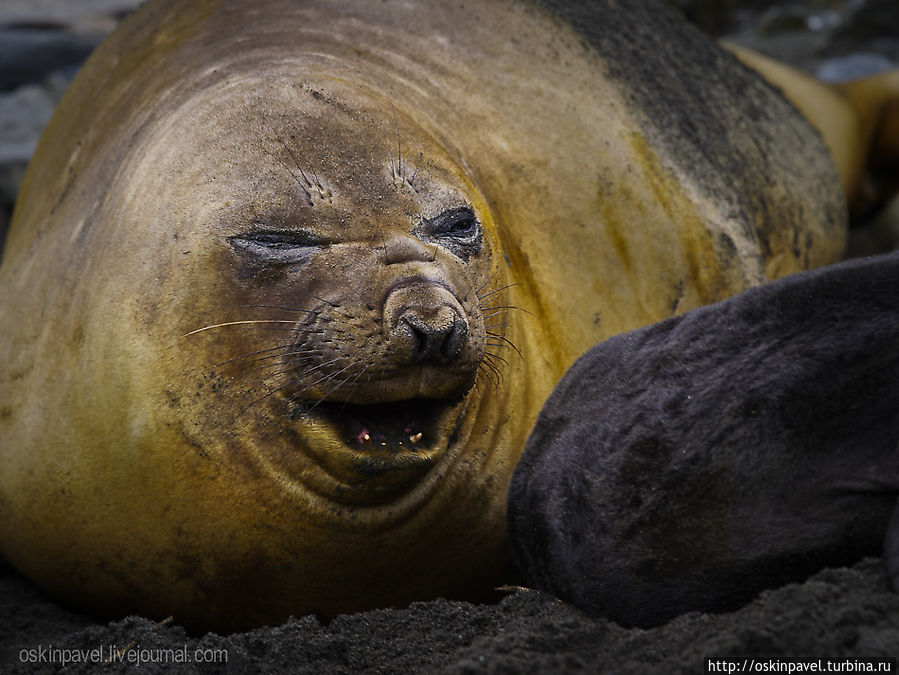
{"x": 374, "y": 453}
{"x": 412, "y": 425}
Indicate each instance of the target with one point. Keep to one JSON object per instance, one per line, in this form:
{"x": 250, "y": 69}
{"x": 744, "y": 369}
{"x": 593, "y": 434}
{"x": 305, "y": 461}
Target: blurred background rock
{"x": 43, "y": 42}
{"x": 833, "y": 39}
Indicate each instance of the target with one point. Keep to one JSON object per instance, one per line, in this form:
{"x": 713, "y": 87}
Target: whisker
{"x": 248, "y": 354}
{"x": 487, "y": 295}
{"x": 291, "y": 173}
{"x": 491, "y": 377}
{"x": 399, "y": 147}
{"x": 327, "y": 302}
{"x": 480, "y": 373}
{"x": 332, "y": 390}
{"x": 497, "y": 309}
{"x": 237, "y": 323}
{"x": 494, "y": 368}
{"x": 289, "y": 309}
{"x": 491, "y": 355}
{"x": 484, "y": 285}
{"x": 284, "y": 386}
{"x": 295, "y": 367}
{"x": 262, "y": 398}
{"x": 296, "y": 163}
{"x": 324, "y": 378}
{"x": 323, "y": 192}
{"x": 415, "y": 170}
{"x": 353, "y": 389}
{"x": 487, "y": 309}
{"x": 292, "y": 330}
{"x": 506, "y": 341}
{"x": 311, "y": 350}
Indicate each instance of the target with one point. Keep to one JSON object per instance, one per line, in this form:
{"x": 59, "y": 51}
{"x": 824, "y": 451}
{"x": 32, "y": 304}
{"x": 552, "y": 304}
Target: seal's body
{"x": 690, "y": 464}
{"x": 287, "y": 283}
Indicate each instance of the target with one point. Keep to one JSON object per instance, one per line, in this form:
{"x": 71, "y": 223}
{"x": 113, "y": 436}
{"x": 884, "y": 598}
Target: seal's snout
{"x": 425, "y": 324}
{"x": 436, "y": 335}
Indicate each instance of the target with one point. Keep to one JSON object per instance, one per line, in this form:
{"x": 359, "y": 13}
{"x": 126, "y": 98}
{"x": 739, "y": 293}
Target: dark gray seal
{"x": 690, "y": 464}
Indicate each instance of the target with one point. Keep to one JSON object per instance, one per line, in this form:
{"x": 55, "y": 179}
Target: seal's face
{"x": 352, "y": 310}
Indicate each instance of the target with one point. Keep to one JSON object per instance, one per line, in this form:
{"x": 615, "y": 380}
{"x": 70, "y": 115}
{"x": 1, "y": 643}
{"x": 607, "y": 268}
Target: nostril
{"x": 419, "y": 336}
{"x": 437, "y": 339}
{"x": 454, "y": 339}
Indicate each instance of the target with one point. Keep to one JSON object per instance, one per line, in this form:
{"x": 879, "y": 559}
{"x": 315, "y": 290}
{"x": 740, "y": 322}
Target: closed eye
{"x": 282, "y": 246}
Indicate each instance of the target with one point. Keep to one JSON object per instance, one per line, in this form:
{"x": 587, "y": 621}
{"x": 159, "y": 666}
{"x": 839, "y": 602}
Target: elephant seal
{"x": 287, "y": 283}
{"x": 690, "y": 464}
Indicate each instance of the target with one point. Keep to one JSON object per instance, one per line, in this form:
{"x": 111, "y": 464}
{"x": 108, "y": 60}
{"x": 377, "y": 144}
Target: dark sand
{"x": 844, "y": 612}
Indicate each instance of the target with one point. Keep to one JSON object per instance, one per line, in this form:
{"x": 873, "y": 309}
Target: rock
{"x": 853, "y": 67}
{"x": 23, "y": 115}
{"x": 872, "y": 27}
{"x": 61, "y": 12}
{"x": 32, "y": 54}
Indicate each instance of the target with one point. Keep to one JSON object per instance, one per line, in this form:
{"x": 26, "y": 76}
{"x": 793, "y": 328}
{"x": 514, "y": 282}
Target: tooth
{"x": 415, "y": 438}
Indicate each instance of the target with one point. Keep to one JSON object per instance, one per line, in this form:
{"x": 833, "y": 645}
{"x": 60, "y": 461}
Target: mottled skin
{"x": 858, "y": 121}
{"x": 376, "y": 183}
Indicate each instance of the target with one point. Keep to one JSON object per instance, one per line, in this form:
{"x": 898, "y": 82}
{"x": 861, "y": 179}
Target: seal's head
{"x": 291, "y": 377}
{"x": 353, "y": 275}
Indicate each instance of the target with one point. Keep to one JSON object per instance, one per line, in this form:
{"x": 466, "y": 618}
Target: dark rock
{"x": 30, "y": 54}
{"x": 853, "y": 67}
